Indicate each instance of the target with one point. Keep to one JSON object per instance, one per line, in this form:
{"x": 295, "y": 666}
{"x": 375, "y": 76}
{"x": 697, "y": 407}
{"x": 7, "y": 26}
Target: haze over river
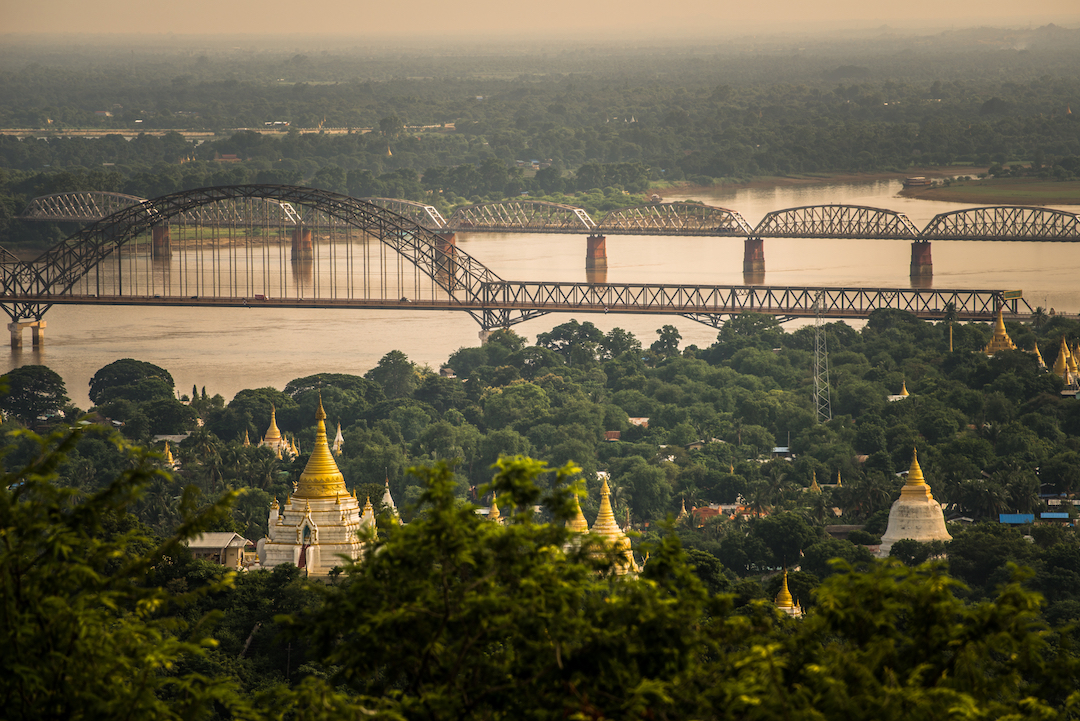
{"x": 227, "y": 350}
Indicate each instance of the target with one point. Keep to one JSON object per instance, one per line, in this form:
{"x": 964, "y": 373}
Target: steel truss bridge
{"x": 995, "y": 223}
{"x": 283, "y": 246}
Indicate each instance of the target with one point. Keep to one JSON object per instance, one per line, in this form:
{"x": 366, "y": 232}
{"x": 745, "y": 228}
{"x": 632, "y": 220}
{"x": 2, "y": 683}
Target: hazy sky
{"x": 598, "y": 17}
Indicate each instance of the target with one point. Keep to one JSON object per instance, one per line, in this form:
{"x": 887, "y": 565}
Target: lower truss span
{"x": 504, "y": 303}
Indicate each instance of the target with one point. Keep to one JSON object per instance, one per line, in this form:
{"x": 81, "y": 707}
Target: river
{"x": 227, "y": 350}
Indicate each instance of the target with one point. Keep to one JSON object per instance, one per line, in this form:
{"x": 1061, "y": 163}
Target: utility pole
{"x": 822, "y": 395}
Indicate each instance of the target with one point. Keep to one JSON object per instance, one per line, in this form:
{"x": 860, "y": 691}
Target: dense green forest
{"x": 991, "y": 434}
{"x": 452, "y": 127}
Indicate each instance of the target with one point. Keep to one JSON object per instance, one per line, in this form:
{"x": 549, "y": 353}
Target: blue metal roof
{"x": 1016, "y": 518}
{"x": 1059, "y": 516}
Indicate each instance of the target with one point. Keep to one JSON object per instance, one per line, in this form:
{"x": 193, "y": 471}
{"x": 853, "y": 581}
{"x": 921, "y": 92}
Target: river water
{"x": 227, "y": 350}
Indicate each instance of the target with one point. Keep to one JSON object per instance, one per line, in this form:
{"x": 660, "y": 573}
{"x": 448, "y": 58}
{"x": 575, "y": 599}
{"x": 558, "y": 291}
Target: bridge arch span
{"x": 1004, "y": 222}
{"x": 836, "y": 221}
{"x": 522, "y": 216}
{"x": 420, "y": 213}
{"x": 85, "y": 206}
{"x": 56, "y": 271}
{"x": 680, "y": 218}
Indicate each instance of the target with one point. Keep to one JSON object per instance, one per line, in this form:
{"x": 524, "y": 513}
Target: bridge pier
{"x": 302, "y": 248}
{"x": 596, "y": 253}
{"x": 753, "y": 260}
{"x": 160, "y": 242}
{"x": 16, "y": 329}
{"x": 446, "y": 247}
{"x": 922, "y": 265}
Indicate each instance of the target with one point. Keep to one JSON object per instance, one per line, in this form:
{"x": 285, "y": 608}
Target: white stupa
{"x": 915, "y": 515}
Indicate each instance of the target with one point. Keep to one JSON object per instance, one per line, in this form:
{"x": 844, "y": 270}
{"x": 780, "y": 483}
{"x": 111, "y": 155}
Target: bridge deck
{"x": 540, "y": 298}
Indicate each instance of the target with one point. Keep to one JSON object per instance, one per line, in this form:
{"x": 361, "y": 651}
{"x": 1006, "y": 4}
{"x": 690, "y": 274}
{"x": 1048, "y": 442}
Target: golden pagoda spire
{"x": 814, "y": 487}
{"x": 607, "y": 528}
{"x": 321, "y": 477}
{"x": 1061, "y": 364}
{"x": 168, "y": 455}
{"x": 682, "y": 511}
{"x": 1001, "y": 340}
{"x": 273, "y": 435}
{"x": 784, "y": 599}
{"x": 367, "y": 516}
{"x": 915, "y": 485}
{"x": 903, "y": 389}
{"x": 1070, "y": 358}
{"x": 839, "y": 483}
{"x": 1038, "y": 357}
{"x": 493, "y": 512}
{"x": 578, "y": 524}
{"x": 247, "y": 441}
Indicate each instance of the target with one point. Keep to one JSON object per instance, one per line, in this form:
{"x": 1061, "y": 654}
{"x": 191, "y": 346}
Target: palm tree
{"x": 1038, "y": 317}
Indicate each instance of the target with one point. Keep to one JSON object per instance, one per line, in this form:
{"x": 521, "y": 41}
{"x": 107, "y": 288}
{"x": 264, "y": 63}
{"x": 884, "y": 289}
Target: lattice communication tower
{"x": 822, "y": 395}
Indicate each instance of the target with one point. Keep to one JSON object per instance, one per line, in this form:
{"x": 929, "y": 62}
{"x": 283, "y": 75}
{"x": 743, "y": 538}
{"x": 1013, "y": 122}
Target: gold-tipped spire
{"x": 784, "y": 599}
{"x": 493, "y": 512}
{"x": 839, "y": 483}
{"x": 168, "y": 455}
{"x": 1038, "y": 357}
{"x": 321, "y": 477}
{"x": 903, "y": 389}
{"x": 367, "y": 517}
{"x": 1061, "y": 366}
{"x": 247, "y": 441}
{"x": 1070, "y": 358}
{"x": 915, "y": 485}
{"x": 578, "y": 524}
{"x": 682, "y": 511}
{"x": 273, "y": 435}
{"x": 814, "y": 487}
{"x": 1001, "y": 340}
{"x": 607, "y": 528}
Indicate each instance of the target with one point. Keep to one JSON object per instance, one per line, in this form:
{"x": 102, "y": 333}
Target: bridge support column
{"x": 753, "y": 260}
{"x": 446, "y": 246}
{"x": 160, "y": 242}
{"x": 596, "y": 253}
{"x": 922, "y": 266}
{"x": 484, "y": 335}
{"x": 16, "y": 329}
{"x": 302, "y": 248}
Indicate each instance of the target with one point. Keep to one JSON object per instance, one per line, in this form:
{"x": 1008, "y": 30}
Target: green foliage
{"x": 85, "y": 637}
{"x": 32, "y": 391}
{"x": 132, "y": 380}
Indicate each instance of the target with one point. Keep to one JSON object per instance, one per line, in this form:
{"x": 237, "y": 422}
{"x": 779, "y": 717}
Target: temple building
{"x": 578, "y": 524}
{"x": 319, "y": 524}
{"x": 785, "y": 603}
{"x": 273, "y": 439}
{"x": 608, "y": 529}
{"x": 915, "y": 515}
{"x": 339, "y": 441}
{"x": 1064, "y": 365}
{"x": 1001, "y": 340}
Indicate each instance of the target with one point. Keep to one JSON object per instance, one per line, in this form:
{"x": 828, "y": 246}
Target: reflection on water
{"x": 230, "y": 349}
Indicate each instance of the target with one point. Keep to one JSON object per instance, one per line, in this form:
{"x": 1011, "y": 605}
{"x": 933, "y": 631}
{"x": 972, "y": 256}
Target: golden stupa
{"x": 903, "y": 389}
{"x": 814, "y": 487}
{"x": 784, "y": 602}
{"x": 608, "y": 529}
{"x": 1061, "y": 364}
{"x": 273, "y": 435}
{"x": 578, "y": 524}
{"x": 1001, "y": 340}
{"x": 321, "y": 477}
{"x": 493, "y": 512}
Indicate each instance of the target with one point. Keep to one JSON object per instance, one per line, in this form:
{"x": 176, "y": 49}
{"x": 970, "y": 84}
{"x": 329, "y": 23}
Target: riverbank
{"x": 1002, "y": 191}
{"x": 781, "y": 181}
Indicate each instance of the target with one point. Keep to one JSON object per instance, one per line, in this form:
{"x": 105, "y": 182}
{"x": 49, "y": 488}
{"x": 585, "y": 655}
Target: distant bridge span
{"x": 830, "y": 221}
{"x": 341, "y": 252}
